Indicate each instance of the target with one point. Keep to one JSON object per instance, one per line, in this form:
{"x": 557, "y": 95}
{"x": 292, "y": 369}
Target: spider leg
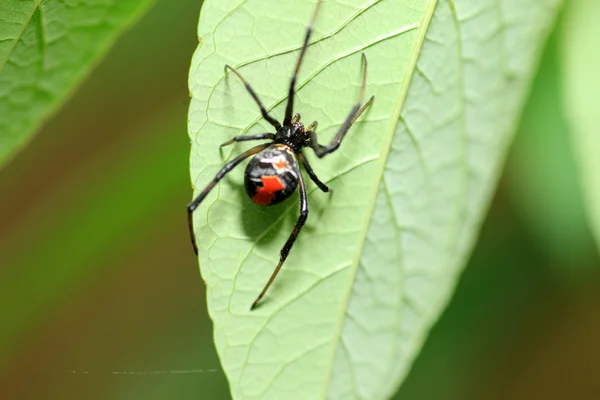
{"x": 289, "y": 109}
{"x": 311, "y": 173}
{"x": 290, "y": 242}
{"x": 228, "y": 167}
{"x": 356, "y": 111}
{"x": 260, "y": 136}
{"x": 263, "y": 110}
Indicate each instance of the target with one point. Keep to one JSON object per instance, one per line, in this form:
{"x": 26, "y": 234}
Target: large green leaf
{"x": 46, "y": 48}
{"x": 380, "y": 256}
{"x": 581, "y": 59}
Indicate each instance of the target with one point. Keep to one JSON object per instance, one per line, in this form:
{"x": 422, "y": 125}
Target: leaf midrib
{"x": 394, "y": 118}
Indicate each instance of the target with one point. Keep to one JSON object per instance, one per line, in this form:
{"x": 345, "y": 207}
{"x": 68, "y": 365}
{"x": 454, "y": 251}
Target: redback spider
{"x": 273, "y": 174}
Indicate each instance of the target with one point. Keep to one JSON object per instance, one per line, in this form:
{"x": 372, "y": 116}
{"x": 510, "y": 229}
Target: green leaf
{"x": 47, "y": 47}
{"x": 581, "y": 61}
{"x": 548, "y": 197}
{"x": 378, "y": 258}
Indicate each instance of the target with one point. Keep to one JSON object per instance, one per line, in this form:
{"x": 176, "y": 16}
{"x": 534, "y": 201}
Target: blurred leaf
{"x": 581, "y": 59}
{"x": 46, "y": 49}
{"x": 379, "y": 257}
{"x": 86, "y": 225}
{"x": 543, "y": 175}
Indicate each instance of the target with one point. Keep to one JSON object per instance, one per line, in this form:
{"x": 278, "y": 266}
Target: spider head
{"x": 293, "y": 135}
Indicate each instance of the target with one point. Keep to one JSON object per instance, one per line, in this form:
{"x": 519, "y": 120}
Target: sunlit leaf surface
{"x": 46, "y": 48}
{"x": 581, "y": 58}
{"x": 379, "y": 257}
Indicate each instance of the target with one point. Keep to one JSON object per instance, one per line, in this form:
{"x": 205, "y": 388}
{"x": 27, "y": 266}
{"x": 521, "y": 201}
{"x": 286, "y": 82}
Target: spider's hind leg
{"x": 193, "y": 205}
{"x": 290, "y": 242}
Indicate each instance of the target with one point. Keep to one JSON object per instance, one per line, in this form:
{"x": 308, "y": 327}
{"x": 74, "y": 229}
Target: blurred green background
{"x": 98, "y": 278}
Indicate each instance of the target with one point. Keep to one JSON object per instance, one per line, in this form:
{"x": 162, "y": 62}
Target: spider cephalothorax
{"x": 274, "y": 173}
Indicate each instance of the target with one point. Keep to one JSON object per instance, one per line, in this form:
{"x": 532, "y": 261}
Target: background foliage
{"x": 96, "y": 272}
{"x": 46, "y": 49}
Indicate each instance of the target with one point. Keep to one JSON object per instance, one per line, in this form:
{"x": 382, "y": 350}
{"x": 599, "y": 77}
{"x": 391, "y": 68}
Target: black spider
{"x": 273, "y": 174}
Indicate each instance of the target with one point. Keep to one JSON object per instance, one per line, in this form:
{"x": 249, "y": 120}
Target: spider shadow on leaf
{"x": 267, "y": 224}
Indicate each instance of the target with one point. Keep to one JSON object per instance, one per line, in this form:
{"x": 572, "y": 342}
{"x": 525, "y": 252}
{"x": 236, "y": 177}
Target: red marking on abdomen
{"x": 265, "y": 195}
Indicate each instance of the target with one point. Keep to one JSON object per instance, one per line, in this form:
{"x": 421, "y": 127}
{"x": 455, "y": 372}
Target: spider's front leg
{"x": 262, "y": 108}
{"x": 320, "y": 150}
{"x": 356, "y": 111}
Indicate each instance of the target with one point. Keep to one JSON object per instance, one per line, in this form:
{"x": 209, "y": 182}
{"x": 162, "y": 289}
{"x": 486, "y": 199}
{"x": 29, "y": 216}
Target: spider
{"x": 273, "y": 174}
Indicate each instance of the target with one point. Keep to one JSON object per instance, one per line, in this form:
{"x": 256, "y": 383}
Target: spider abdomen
{"x": 272, "y": 175}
